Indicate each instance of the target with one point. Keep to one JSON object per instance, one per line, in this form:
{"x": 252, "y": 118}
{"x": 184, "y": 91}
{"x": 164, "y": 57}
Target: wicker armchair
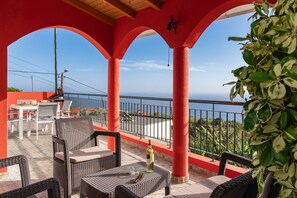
{"x": 243, "y": 186}
{"x": 76, "y": 152}
{"x": 23, "y": 163}
{"x": 50, "y": 185}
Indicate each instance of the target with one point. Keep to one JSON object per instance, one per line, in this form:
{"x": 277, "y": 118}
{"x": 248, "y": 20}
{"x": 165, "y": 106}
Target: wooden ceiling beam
{"x": 120, "y": 7}
{"x": 156, "y": 4}
{"x": 91, "y": 11}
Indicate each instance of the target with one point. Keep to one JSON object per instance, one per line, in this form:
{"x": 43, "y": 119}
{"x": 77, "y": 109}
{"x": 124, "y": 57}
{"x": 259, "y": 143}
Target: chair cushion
{"x": 202, "y": 189}
{"x": 85, "y": 154}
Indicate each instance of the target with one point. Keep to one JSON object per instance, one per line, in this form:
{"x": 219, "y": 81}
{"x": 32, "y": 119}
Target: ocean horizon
{"x": 192, "y": 96}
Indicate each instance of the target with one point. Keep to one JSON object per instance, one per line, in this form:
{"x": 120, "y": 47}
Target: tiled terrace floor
{"x": 39, "y": 153}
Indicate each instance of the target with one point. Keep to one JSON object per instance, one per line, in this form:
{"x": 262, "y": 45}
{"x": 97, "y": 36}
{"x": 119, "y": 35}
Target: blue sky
{"x": 144, "y": 68}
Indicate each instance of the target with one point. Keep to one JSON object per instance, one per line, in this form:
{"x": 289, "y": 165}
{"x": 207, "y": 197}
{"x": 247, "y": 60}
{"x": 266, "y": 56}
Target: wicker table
{"x": 103, "y": 184}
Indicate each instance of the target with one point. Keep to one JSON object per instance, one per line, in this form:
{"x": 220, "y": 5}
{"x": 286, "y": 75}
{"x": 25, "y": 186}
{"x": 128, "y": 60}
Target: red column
{"x": 3, "y": 103}
{"x": 113, "y": 98}
{"x": 180, "y": 114}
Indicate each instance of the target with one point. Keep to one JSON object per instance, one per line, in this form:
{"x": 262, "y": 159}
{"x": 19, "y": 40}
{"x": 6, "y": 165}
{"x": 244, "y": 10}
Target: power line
{"x": 29, "y": 76}
{"x": 85, "y": 85}
{"x": 44, "y": 81}
{"x": 47, "y": 73}
{"x": 76, "y": 90}
{"x": 21, "y": 75}
{"x": 12, "y": 70}
{"x": 22, "y": 66}
{"x": 38, "y": 66}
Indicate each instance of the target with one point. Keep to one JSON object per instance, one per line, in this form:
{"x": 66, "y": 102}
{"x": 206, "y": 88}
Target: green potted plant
{"x": 270, "y": 78}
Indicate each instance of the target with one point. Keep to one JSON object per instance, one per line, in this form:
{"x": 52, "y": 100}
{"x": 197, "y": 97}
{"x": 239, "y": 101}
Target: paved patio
{"x": 39, "y": 153}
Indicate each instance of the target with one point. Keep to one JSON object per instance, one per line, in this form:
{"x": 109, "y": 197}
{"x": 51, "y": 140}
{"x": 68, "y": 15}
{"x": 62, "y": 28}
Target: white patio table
{"x": 22, "y": 109}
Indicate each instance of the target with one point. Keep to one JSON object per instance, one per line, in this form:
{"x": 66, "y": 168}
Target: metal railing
{"x": 214, "y": 126}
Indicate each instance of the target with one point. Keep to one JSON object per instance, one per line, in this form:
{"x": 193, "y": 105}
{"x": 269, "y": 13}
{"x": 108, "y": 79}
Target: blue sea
{"x": 208, "y": 97}
{"x": 162, "y": 106}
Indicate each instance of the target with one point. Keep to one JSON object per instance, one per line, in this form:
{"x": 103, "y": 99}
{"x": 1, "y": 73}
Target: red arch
{"x": 121, "y": 48}
{"x": 190, "y": 22}
{"x": 21, "y": 17}
{"x": 211, "y": 16}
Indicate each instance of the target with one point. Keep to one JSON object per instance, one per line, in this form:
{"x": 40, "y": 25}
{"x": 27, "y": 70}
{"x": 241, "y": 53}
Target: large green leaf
{"x": 260, "y": 77}
{"x": 282, "y": 157}
{"x": 248, "y": 57}
{"x": 264, "y": 114}
{"x": 294, "y": 99}
{"x": 291, "y": 133}
{"x": 234, "y": 38}
{"x": 255, "y": 23}
{"x": 275, "y": 117}
{"x": 260, "y": 181}
{"x": 259, "y": 147}
{"x": 278, "y": 28}
{"x": 270, "y": 128}
{"x": 259, "y": 140}
{"x": 276, "y": 104}
{"x": 284, "y": 193}
{"x": 279, "y": 144}
{"x": 277, "y": 69}
{"x": 237, "y": 71}
{"x": 292, "y": 46}
{"x": 267, "y": 156}
{"x": 277, "y": 91}
{"x": 283, "y": 120}
{"x": 292, "y": 115}
{"x": 281, "y": 38}
{"x": 250, "y": 121}
{"x": 230, "y": 83}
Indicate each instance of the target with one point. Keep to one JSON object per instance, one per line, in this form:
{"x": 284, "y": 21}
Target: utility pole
{"x": 62, "y": 79}
{"x": 56, "y": 61}
{"x": 32, "y": 83}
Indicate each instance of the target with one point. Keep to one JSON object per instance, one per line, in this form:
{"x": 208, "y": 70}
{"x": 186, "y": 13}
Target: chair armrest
{"x": 123, "y": 192}
{"x": 242, "y": 186}
{"x": 66, "y": 162}
{"x": 235, "y": 158}
{"x": 50, "y": 185}
{"x": 58, "y": 141}
{"x": 117, "y": 137}
{"x": 23, "y": 163}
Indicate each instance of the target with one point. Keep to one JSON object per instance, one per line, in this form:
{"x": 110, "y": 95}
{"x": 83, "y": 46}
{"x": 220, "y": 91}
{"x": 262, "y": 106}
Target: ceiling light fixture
{"x": 170, "y": 26}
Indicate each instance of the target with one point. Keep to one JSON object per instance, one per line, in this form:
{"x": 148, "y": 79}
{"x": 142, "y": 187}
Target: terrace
{"x": 111, "y": 31}
{"x": 134, "y": 136}
{"x": 39, "y": 154}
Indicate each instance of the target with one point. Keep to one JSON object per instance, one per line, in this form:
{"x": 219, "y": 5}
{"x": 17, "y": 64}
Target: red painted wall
{"x": 21, "y": 17}
{"x": 3, "y": 104}
{"x": 38, "y": 96}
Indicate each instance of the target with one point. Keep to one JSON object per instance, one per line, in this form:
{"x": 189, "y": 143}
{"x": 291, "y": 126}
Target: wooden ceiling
{"x": 110, "y": 10}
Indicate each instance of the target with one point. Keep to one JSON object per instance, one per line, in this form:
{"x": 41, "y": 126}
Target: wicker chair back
{"x": 77, "y": 132}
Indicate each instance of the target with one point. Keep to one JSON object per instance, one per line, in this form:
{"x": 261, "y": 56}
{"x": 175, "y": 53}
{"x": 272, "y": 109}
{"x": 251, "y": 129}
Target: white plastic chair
{"x": 65, "y": 111}
{"x": 11, "y": 123}
{"x": 12, "y": 118}
{"x": 46, "y": 114}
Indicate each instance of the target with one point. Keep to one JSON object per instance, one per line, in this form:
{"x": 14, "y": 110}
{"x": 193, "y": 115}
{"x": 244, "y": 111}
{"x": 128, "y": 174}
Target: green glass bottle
{"x": 149, "y": 157}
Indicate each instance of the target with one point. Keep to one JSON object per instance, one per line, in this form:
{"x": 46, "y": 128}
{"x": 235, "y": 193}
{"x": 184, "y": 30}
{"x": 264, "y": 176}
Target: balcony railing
{"x": 214, "y": 126}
